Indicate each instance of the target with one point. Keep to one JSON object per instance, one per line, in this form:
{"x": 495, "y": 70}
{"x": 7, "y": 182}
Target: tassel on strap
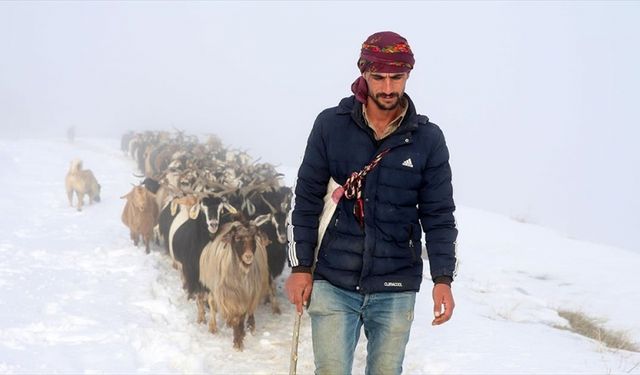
{"x": 352, "y": 188}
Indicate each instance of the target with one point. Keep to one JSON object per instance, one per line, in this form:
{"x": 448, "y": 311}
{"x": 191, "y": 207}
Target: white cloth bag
{"x": 330, "y": 203}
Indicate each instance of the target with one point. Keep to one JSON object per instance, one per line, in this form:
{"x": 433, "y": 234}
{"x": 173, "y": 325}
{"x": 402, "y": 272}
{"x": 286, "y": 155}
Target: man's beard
{"x": 383, "y": 106}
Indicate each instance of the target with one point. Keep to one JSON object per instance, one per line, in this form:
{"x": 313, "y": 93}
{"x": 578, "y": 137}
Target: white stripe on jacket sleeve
{"x": 293, "y": 256}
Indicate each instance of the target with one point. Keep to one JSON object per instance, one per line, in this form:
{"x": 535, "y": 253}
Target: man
{"x": 369, "y": 264}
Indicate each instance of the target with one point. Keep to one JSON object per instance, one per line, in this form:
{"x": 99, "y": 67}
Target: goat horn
{"x": 273, "y": 210}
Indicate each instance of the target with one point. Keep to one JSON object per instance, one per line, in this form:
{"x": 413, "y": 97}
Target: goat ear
{"x": 263, "y": 238}
{"x": 251, "y": 209}
{"x": 262, "y": 219}
{"x": 194, "y": 211}
{"x": 126, "y": 196}
{"x": 232, "y": 210}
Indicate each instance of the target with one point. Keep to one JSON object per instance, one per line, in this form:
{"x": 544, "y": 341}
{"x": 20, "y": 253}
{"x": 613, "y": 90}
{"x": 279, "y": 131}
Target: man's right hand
{"x": 298, "y": 287}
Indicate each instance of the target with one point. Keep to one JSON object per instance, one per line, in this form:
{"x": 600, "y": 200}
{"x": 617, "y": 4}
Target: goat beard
{"x": 244, "y": 267}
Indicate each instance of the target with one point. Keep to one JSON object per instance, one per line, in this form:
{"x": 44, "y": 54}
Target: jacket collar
{"x": 351, "y": 106}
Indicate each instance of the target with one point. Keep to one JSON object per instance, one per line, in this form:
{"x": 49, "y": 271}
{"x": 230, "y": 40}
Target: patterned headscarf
{"x": 383, "y": 52}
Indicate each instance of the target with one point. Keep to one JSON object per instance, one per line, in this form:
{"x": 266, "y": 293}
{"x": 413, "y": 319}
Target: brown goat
{"x": 140, "y": 214}
{"x": 234, "y": 269}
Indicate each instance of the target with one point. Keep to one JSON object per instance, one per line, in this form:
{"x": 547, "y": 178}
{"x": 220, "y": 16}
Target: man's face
{"x": 386, "y": 89}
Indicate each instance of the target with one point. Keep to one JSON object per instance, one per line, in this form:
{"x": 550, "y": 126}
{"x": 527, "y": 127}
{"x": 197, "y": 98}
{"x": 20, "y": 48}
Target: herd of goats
{"x": 221, "y": 216}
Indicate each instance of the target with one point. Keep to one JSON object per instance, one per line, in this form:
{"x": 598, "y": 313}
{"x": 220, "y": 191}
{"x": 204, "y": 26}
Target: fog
{"x": 538, "y": 100}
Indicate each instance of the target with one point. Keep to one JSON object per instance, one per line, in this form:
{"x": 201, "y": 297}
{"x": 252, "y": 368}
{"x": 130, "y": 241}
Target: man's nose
{"x": 388, "y": 85}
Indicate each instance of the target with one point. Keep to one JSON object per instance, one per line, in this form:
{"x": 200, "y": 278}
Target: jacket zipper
{"x": 413, "y": 251}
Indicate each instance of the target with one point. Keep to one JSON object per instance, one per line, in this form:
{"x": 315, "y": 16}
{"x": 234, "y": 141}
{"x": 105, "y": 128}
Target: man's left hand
{"x": 443, "y": 304}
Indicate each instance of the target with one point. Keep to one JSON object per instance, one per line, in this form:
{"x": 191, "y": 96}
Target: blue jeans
{"x": 337, "y": 315}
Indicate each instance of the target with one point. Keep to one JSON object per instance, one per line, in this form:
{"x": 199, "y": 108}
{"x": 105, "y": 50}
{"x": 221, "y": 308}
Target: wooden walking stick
{"x": 294, "y": 345}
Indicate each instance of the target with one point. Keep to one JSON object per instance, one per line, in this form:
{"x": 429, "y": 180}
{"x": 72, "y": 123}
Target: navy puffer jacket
{"x": 408, "y": 192}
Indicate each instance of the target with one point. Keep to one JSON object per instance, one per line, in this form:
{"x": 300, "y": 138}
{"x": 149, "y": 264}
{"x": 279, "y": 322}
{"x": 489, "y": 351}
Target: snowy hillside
{"x": 77, "y": 297}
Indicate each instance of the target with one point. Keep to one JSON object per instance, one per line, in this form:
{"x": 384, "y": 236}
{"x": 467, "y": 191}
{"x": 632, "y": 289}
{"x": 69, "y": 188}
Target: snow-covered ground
{"x": 77, "y": 297}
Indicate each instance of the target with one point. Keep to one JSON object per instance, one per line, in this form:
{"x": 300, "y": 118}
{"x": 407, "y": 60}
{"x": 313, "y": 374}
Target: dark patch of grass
{"x": 587, "y": 326}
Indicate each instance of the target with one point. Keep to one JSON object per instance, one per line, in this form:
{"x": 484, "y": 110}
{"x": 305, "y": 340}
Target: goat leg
{"x": 80, "y": 197}
{"x": 213, "y": 326}
{"x": 156, "y": 235}
{"x": 132, "y": 235}
{"x": 275, "y": 306}
{"x": 251, "y": 324}
{"x": 200, "y": 301}
{"x": 70, "y": 196}
{"x": 147, "y": 240}
{"x": 238, "y": 333}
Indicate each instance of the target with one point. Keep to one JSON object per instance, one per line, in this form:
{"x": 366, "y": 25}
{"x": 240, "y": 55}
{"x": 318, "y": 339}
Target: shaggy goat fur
{"x": 235, "y": 289}
{"x": 140, "y": 214}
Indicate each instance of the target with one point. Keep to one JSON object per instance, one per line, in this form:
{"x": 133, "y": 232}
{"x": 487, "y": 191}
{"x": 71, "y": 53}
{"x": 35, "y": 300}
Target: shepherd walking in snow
{"x": 392, "y": 166}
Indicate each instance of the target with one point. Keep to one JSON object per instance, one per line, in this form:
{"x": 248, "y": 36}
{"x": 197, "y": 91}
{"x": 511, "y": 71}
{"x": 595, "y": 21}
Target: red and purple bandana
{"x": 383, "y": 52}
